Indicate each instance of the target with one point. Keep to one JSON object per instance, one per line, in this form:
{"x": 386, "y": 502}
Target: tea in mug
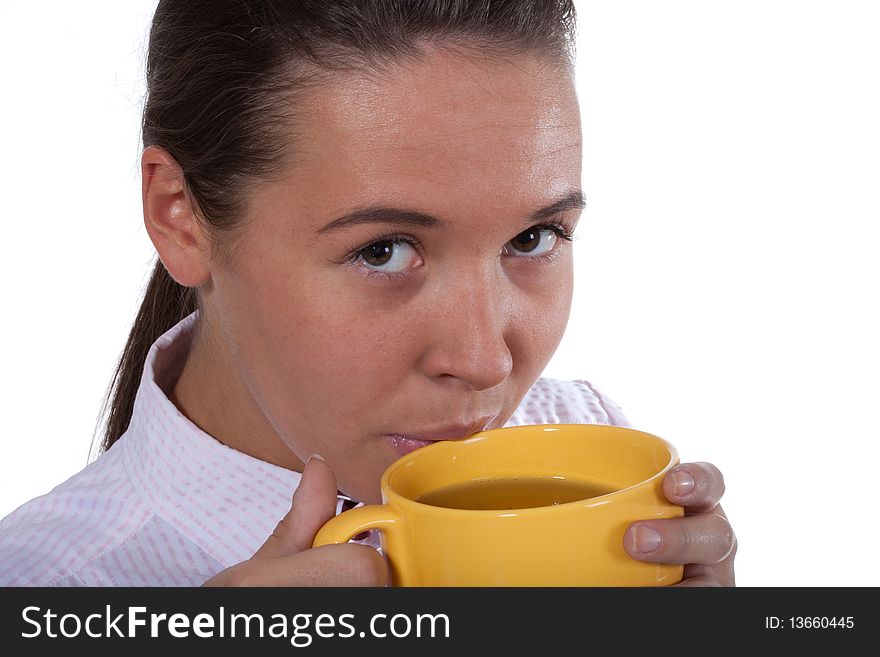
{"x": 508, "y": 493}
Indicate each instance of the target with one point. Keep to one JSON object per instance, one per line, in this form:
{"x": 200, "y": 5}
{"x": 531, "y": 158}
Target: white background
{"x": 727, "y": 265}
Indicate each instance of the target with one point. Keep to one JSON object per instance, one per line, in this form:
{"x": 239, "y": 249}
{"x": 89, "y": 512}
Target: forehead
{"x": 446, "y": 130}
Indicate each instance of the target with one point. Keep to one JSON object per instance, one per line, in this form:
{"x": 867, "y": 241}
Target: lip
{"x": 404, "y": 443}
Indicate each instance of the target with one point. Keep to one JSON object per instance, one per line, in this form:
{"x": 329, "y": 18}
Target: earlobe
{"x": 171, "y": 220}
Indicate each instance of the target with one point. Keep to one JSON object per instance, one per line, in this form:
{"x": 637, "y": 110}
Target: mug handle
{"x": 341, "y": 528}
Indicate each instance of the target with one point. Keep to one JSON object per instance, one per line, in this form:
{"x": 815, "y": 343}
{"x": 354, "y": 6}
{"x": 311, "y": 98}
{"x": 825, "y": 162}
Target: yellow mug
{"x": 530, "y": 534}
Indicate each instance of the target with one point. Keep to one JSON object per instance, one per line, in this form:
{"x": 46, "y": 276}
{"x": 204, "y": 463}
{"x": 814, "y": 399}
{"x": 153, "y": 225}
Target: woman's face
{"x": 408, "y": 278}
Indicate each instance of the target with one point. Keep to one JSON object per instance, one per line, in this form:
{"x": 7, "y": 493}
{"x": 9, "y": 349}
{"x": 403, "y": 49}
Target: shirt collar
{"x": 225, "y": 501}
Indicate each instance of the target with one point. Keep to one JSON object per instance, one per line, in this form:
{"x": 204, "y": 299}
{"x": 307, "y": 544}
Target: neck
{"x": 212, "y": 395}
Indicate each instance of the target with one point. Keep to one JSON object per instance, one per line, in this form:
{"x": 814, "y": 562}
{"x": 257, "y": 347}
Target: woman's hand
{"x": 703, "y": 539}
{"x": 287, "y": 557}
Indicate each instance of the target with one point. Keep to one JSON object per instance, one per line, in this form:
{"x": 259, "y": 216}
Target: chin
{"x": 366, "y": 491}
{"x": 360, "y": 494}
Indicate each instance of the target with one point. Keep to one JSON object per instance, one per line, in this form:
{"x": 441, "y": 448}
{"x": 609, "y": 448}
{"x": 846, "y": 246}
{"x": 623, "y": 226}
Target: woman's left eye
{"x": 536, "y": 241}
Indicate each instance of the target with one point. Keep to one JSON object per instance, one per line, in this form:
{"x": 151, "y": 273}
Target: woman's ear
{"x": 171, "y": 220}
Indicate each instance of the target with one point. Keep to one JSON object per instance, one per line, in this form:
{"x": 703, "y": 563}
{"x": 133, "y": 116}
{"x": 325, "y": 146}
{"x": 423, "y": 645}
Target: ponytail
{"x": 165, "y": 303}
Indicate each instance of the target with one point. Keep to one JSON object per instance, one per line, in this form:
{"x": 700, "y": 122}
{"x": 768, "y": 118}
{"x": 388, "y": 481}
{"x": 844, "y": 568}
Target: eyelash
{"x": 356, "y": 254}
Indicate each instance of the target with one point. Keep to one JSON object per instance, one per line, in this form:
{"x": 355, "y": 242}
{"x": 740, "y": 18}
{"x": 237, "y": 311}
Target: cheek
{"x": 340, "y": 350}
{"x": 540, "y": 316}
{"x": 304, "y": 340}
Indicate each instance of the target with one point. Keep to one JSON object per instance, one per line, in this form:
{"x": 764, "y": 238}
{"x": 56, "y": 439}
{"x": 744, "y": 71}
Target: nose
{"x": 467, "y": 328}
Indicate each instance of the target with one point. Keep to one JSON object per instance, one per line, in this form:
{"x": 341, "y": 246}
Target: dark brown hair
{"x": 222, "y": 80}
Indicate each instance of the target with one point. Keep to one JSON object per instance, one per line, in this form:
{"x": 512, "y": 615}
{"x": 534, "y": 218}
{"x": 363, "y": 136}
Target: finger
{"x": 705, "y": 539}
{"x": 697, "y": 486}
{"x": 347, "y": 564}
{"x": 702, "y": 581}
{"x": 722, "y": 572}
{"x": 314, "y": 503}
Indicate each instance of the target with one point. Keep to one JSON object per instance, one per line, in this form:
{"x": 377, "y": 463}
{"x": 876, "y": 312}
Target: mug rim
{"x": 599, "y": 500}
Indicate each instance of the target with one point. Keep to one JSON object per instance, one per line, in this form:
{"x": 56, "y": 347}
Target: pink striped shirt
{"x": 168, "y": 505}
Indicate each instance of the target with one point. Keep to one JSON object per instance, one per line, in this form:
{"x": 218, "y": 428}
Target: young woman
{"x": 363, "y": 213}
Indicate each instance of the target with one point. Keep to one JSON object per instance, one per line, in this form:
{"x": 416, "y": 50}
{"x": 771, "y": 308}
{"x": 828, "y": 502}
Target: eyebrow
{"x": 378, "y": 214}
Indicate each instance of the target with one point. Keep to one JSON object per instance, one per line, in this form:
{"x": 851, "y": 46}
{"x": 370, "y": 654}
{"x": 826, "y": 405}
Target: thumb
{"x": 314, "y": 503}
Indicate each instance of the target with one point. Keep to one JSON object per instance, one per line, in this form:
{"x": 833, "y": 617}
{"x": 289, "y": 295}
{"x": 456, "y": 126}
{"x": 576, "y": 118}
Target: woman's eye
{"x": 390, "y": 256}
{"x": 535, "y": 241}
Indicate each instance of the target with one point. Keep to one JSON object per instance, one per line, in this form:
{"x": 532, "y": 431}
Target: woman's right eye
{"x": 388, "y": 256}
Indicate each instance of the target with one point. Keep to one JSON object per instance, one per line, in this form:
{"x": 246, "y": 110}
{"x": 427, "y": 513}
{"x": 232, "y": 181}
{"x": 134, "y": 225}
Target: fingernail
{"x": 316, "y": 456}
{"x": 645, "y": 539}
{"x": 682, "y": 483}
